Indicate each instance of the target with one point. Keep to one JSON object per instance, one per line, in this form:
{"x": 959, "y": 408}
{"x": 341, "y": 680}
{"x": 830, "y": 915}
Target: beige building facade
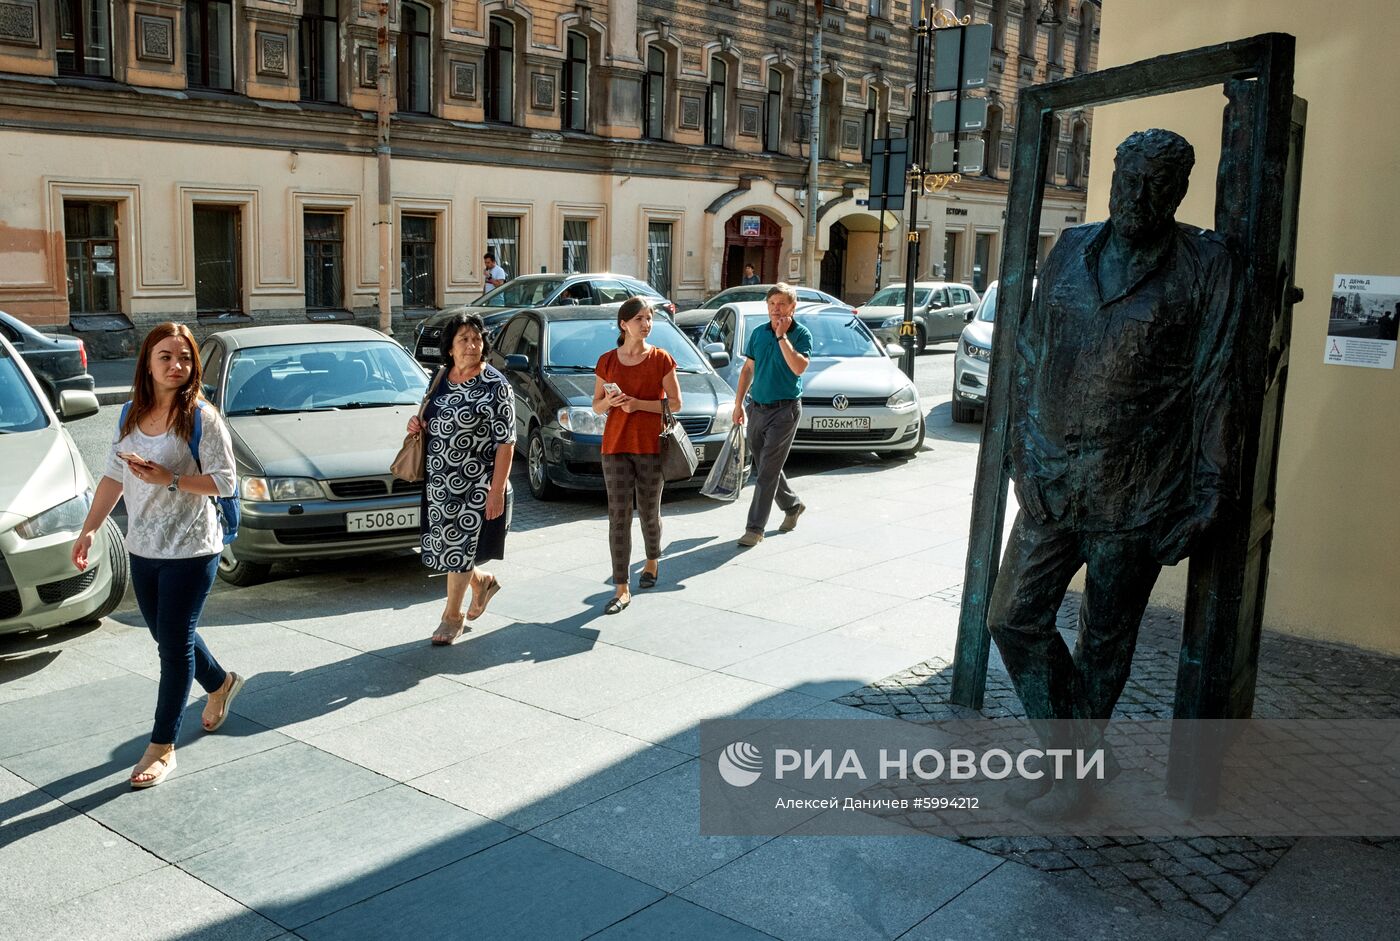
{"x": 1333, "y": 566}
{"x": 213, "y": 160}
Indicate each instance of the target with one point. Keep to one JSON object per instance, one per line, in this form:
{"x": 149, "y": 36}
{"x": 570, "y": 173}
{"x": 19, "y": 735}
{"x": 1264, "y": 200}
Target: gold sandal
{"x": 166, "y": 761}
{"x": 489, "y": 592}
{"x": 448, "y": 631}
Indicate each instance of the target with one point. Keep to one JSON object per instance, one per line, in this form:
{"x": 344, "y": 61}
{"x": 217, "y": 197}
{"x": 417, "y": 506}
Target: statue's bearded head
{"x": 1150, "y": 175}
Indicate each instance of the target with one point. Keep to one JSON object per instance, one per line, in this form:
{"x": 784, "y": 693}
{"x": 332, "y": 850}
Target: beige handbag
{"x": 410, "y": 463}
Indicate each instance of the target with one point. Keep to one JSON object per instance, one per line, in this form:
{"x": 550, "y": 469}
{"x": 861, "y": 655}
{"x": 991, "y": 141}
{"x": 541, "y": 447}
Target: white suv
{"x": 972, "y": 362}
{"x": 45, "y": 492}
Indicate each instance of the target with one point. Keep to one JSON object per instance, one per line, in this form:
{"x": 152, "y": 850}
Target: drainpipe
{"x": 381, "y": 150}
{"x": 809, "y": 246}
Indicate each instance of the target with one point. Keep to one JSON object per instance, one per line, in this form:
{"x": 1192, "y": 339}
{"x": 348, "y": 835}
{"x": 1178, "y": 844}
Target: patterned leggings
{"x": 629, "y": 477}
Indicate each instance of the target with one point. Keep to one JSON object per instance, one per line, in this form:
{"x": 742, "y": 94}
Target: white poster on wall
{"x": 1362, "y": 325}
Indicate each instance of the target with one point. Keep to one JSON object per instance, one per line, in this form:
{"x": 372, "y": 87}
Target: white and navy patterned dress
{"x": 466, "y": 422}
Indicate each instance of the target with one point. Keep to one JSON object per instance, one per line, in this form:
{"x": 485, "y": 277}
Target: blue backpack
{"x": 226, "y": 507}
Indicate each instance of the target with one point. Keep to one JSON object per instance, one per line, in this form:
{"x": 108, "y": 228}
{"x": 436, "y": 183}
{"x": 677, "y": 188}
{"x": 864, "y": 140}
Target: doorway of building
{"x": 751, "y": 239}
{"x": 834, "y": 262}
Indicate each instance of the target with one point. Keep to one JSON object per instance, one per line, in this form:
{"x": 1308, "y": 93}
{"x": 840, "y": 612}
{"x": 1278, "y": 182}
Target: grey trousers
{"x": 771, "y": 430}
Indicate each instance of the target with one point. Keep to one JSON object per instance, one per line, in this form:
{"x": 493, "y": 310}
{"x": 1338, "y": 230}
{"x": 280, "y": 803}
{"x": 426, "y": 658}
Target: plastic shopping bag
{"x": 726, "y": 478}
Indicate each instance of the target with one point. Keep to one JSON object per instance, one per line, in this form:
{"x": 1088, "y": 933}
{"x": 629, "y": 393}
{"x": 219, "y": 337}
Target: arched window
{"x": 654, "y": 120}
{"x": 1074, "y": 167}
{"x": 991, "y": 161}
{"x": 1055, "y": 51}
{"x": 870, "y": 126}
{"x": 773, "y": 113}
{"x": 1083, "y": 49}
{"x": 209, "y": 43}
{"x": 999, "y": 24}
{"x": 319, "y": 46}
{"x": 500, "y": 71}
{"x": 829, "y": 139}
{"x": 1030, "y": 9}
{"x": 415, "y": 55}
{"x": 575, "y": 88}
{"x": 715, "y": 100}
{"x": 85, "y": 37}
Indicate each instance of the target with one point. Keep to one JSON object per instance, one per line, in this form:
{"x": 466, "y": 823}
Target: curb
{"x": 112, "y": 396}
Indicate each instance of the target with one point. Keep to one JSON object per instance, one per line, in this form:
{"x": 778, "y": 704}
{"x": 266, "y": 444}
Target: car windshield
{"x": 894, "y": 297}
{"x": 577, "y": 344}
{"x": 834, "y": 333}
{"x": 987, "y": 311}
{"x": 302, "y": 377}
{"x": 19, "y": 407}
{"x": 522, "y": 292}
{"x": 734, "y": 296}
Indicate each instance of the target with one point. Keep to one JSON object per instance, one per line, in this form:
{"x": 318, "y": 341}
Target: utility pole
{"x": 381, "y": 150}
{"x": 809, "y": 242}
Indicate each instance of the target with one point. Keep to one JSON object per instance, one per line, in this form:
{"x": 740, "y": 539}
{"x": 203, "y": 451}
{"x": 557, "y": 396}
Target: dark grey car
{"x": 317, "y": 413}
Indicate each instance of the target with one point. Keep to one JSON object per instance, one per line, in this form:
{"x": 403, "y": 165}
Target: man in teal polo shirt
{"x": 776, "y": 357}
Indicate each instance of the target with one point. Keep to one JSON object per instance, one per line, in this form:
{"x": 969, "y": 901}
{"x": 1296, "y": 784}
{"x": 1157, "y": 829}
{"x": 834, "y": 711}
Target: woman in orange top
{"x": 632, "y": 382}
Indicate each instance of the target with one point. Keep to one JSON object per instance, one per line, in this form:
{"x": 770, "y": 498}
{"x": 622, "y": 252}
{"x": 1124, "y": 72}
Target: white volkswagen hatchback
{"x": 45, "y": 492}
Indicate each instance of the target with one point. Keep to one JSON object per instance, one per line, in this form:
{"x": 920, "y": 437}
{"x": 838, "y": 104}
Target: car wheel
{"x": 538, "y": 466}
{"x": 121, "y": 571}
{"x": 241, "y": 572}
{"x": 962, "y": 414}
{"x": 920, "y": 339}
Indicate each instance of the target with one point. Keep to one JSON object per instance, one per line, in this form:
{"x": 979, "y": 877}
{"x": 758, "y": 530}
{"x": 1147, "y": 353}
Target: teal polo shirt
{"x": 773, "y": 381}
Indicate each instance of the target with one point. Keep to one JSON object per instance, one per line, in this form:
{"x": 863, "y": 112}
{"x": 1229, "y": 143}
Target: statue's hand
{"x": 1028, "y": 495}
{"x": 1178, "y": 543}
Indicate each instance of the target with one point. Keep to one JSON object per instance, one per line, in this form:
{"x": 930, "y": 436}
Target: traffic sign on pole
{"x": 889, "y": 164}
{"x": 972, "y": 114}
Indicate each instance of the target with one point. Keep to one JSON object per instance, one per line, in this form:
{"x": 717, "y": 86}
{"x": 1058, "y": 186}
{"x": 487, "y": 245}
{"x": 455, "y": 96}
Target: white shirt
{"x": 496, "y": 273}
{"x": 179, "y": 525}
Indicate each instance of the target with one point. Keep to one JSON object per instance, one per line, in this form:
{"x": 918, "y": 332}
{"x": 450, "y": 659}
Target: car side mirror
{"x": 718, "y": 358}
{"x": 714, "y": 348}
{"x": 967, "y": 317}
{"x": 894, "y": 350}
{"x": 76, "y": 403}
{"x": 517, "y": 362}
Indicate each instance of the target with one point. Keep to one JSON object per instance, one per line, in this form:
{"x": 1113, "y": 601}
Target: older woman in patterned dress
{"x": 470, "y": 442}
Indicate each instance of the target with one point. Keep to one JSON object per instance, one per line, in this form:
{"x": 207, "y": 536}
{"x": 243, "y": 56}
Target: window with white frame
{"x": 659, "y": 256}
{"x": 574, "y": 90}
{"x": 715, "y": 100}
{"x": 503, "y": 240}
{"x": 575, "y": 245}
{"x": 654, "y": 120}
{"x": 92, "y": 255}
{"x": 500, "y": 71}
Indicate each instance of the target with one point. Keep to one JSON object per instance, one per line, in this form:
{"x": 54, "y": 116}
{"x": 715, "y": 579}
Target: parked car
{"x": 972, "y": 362}
{"x": 538, "y": 290}
{"x": 549, "y": 355}
{"x": 854, "y": 397}
{"x": 940, "y": 310}
{"x": 692, "y": 322}
{"x": 59, "y": 363}
{"x": 317, "y": 413}
{"x": 45, "y": 493}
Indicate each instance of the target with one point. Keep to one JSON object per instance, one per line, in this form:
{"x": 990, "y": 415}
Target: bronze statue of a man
{"x": 1122, "y": 434}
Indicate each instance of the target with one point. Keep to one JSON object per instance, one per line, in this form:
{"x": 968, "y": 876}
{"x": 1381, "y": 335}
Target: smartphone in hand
{"x": 132, "y": 458}
{"x": 612, "y": 388}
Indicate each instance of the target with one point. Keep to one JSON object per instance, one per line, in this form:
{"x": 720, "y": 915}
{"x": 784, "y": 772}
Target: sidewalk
{"x": 540, "y": 779}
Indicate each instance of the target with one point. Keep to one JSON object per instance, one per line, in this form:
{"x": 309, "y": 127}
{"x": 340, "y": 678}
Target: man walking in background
{"x": 775, "y": 360}
{"x": 750, "y": 276}
{"x": 495, "y": 274}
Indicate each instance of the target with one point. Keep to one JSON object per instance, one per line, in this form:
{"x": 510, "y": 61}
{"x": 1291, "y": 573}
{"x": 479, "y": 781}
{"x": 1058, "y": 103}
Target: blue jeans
{"x": 171, "y": 594}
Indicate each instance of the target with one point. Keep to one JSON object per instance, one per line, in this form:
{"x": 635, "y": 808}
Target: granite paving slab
{"x": 162, "y": 905}
{"x": 906, "y": 577}
{"x": 33, "y": 673}
{"x": 68, "y": 714}
{"x": 481, "y": 658}
{"x": 732, "y": 586}
{"x": 96, "y": 769}
{"x": 840, "y": 888}
{"x": 534, "y": 780}
{"x": 822, "y": 605}
{"x": 672, "y": 717}
{"x": 19, "y": 800}
{"x": 824, "y": 666}
{"x": 675, "y": 919}
{"x": 593, "y": 680}
{"x": 190, "y": 814}
{"x": 521, "y": 889}
{"x": 923, "y": 628}
{"x": 434, "y": 734}
{"x": 375, "y": 629}
{"x": 311, "y": 867}
{"x": 649, "y": 831}
{"x": 56, "y": 854}
{"x": 1018, "y": 903}
{"x": 701, "y": 636}
{"x": 324, "y": 698}
{"x": 1322, "y": 889}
